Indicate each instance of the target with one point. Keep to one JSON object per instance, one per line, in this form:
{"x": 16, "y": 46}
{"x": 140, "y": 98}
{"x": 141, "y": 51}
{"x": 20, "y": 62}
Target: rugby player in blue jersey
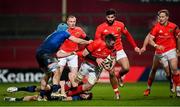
{"x": 32, "y": 88}
{"x": 48, "y": 62}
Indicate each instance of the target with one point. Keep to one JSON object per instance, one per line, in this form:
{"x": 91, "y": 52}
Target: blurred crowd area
{"x": 25, "y": 23}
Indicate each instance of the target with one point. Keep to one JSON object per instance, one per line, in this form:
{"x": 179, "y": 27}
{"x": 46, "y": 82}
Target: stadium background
{"x": 25, "y": 23}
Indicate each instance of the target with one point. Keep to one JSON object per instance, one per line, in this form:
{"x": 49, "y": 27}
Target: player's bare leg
{"x": 124, "y": 62}
{"x": 72, "y": 75}
{"x": 114, "y": 83}
{"x": 176, "y": 75}
{"x": 43, "y": 86}
{"x": 84, "y": 87}
{"x": 151, "y": 76}
{"x": 92, "y": 78}
{"x": 62, "y": 84}
{"x": 56, "y": 86}
{"x": 168, "y": 70}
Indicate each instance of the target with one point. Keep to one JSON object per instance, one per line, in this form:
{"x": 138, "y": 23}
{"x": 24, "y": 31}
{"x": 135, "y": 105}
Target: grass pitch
{"x": 103, "y": 95}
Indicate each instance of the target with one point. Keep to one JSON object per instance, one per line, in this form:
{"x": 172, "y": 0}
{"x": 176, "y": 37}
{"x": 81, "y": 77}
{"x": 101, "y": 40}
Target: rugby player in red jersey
{"x": 117, "y": 28}
{"x": 69, "y": 47}
{"x": 155, "y": 65}
{"x": 163, "y": 37}
{"x": 96, "y": 59}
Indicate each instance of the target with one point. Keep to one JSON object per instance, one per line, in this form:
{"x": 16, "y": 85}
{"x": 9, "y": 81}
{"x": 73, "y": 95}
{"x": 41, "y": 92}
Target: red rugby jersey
{"x": 117, "y": 29}
{"x": 98, "y": 49}
{"x": 165, "y": 36}
{"x": 70, "y": 46}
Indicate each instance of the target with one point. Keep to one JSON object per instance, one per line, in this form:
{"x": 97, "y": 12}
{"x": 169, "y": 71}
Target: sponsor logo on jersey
{"x": 105, "y": 30}
{"x": 160, "y": 31}
{"x": 77, "y": 33}
{"x": 118, "y": 29}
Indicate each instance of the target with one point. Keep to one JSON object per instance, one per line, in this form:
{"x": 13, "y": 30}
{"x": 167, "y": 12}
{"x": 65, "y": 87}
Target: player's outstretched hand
{"x": 136, "y": 49}
{"x": 99, "y": 62}
{"x": 143, "y": 49}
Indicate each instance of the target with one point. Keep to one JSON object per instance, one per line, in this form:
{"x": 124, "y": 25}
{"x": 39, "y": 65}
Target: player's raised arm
{"x": 131, "y": 40}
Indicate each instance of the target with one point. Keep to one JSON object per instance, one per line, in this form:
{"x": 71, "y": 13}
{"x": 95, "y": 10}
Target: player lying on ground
{"x": 48, "y": 89}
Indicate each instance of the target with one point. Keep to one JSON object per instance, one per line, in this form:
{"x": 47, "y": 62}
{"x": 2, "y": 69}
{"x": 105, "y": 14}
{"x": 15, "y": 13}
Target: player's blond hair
{"x": 163, "y": 11}
{"x": 71, "y": 16}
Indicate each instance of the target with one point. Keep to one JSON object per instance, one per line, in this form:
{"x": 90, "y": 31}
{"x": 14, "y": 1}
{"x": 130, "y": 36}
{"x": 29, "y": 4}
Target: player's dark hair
{"x": 110, "y": 37}
{"x": 111, "y": 12}
{"x": 163, "y": 11}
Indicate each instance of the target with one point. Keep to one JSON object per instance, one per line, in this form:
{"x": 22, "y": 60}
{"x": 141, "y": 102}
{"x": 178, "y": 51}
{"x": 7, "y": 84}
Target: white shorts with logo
{"x": 120, "y": 54}
{"x": 165, "y": 57}
{"x": 71, "y": 60}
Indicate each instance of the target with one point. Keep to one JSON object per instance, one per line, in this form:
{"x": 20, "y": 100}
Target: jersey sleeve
{"x": 98, "y": 33}
{"x": 67, "y": 34}
{"x": 83, "y": 34}
{"x": 153, "y": 31}
{"x": 92, "y": 46}
{"x": 177, "y": 31}
{"x": 129, "y": 36}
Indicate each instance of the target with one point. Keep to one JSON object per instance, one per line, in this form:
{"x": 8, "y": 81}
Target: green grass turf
{"x": 131, "y": 95}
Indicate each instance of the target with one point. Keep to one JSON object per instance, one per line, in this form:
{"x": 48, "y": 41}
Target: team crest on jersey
{"x": 99, "y": 50}
{"x": 170, "y": 30}
{"x": 118, "y": 29}
{"x": 105, "y": 30}
{"x": 77, "y": 33}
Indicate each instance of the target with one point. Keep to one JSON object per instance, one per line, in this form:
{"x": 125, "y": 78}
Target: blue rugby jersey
{"x": 52, "y": 43}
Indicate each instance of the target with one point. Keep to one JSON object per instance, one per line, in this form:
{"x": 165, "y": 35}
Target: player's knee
{"x": 168, "y": 74}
